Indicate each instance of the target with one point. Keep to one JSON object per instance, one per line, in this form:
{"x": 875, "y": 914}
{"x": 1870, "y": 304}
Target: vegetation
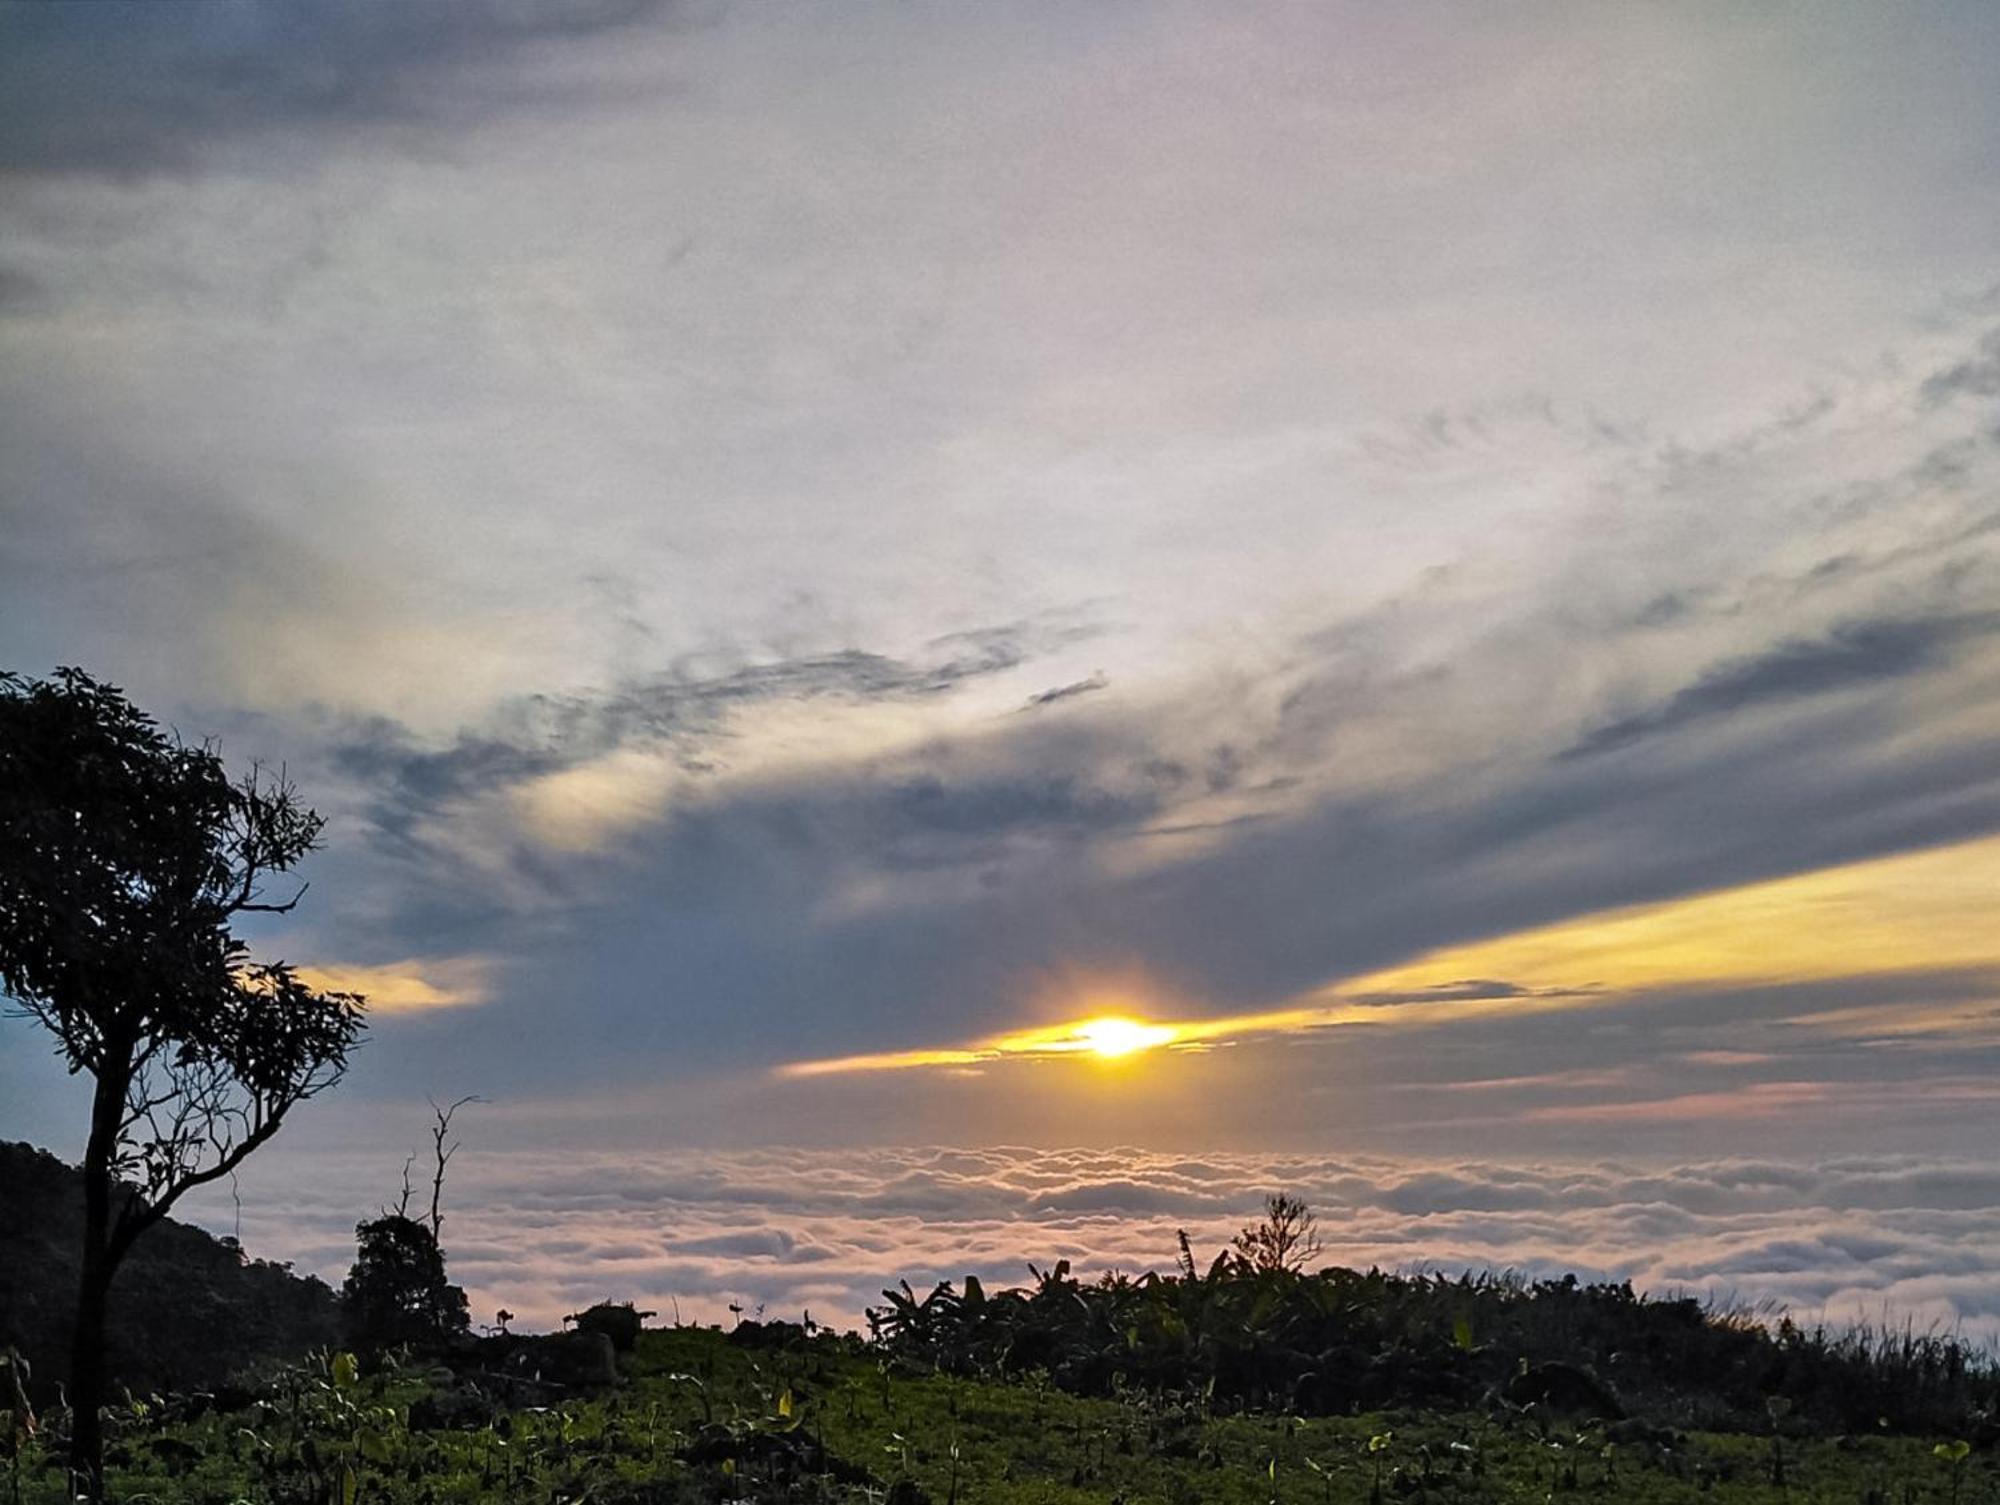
{"x": 1286, "y": 1240}
{"x": 1342, "y": 1341}
{"x": 396, "y": 1294}
{"x": 774, "y": 1413}
{"x": 125, "y": 858}
{"x": 189, "y": 1310}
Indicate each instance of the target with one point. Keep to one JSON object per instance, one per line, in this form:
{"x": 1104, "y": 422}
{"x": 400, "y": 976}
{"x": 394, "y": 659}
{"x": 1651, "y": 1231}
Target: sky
{"x": 1436, "y": 563}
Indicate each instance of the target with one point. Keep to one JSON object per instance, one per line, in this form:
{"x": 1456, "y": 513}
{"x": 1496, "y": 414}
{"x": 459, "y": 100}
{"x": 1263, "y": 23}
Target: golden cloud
{"x": 1923, "y": 911}
{"x": 416, "y": 986}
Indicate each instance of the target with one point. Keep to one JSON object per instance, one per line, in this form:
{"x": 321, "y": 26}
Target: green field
{"x": 700, "y": 1415}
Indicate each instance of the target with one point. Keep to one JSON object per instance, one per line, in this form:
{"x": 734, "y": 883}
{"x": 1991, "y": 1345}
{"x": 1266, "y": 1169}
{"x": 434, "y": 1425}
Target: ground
{"x": 701, "y": 1415}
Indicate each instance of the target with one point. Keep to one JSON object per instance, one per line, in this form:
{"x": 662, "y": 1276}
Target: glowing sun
{"x": 1110, "y": 1037}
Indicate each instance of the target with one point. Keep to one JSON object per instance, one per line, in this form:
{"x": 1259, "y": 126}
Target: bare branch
{"x": 440, "y": 1131}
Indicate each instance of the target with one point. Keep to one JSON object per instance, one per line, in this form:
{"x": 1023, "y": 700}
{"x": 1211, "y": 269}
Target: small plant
{"x": 1325, "y": 1479}
{"x": 1954, "y": 1454}
{"x": 1378, "y": 1451}
{"x": 1285, "y": 1242}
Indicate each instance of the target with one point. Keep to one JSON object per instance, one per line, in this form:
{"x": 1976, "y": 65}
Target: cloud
{"x": 20, "y": 291}
{"x": 1067, "y": 692}
{"x": 1108, "y": 1032}
{"x": 1854, "y": 655}
{"x": 130, "y": 86}
{"x": 1847, "y": 1238}
{"x": 1977, "y": 376}
{"x": 1912, "y": 914}
{"x": 607, "y": 517}
{"x": 685, "y": 716}
{"x": 1915, "y": 923}
{"x": 414, "y": 986}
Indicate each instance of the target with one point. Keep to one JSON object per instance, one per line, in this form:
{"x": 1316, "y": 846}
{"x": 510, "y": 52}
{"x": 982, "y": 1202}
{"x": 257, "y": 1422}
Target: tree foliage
{"x": 126, "y": 856}
{"x": 396, "y": 1292}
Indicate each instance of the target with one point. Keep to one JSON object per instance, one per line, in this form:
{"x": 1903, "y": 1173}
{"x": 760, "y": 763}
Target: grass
{"x": 705, "y": 1416}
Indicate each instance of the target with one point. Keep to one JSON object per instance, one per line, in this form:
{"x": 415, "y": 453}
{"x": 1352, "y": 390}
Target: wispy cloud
{"x": 415, "y": 986}
{"x": 1069, "y": 691}
{"x": 1854, "y": 655}
{"x": 123, "y": 86}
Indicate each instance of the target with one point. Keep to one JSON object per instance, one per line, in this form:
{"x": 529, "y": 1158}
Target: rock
{"x": 789, "y": 1455}
{"x": 1564, "y": 1387}
{"x": 452, "y": 1411}
{"x": 584, "y": 1360}
{"x": 753, "y": 1334}
{"x": 619, "y": 1321}
{"x": 1633, "y": 1432}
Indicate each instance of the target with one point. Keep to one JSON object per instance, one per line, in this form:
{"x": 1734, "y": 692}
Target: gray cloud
{"x": 1067, "y": 692}
{"x": 20, "y": 292}
{"x": 1852, "y": 656}
{"x": 1469, "y": 989}
{"x": 687, "y": 711}
{"x": 127, "y": 86}
{"x": 1976, "y": 376}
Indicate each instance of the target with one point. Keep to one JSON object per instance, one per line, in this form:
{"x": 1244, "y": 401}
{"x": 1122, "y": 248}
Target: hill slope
{"x": 765, "y": 1413}
{"x": 187, "y": 1309}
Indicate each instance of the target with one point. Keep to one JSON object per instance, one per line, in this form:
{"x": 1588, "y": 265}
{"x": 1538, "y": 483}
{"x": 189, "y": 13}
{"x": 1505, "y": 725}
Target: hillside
{"x": 773, "y": 1413}
{"x": 188, "y": 1309}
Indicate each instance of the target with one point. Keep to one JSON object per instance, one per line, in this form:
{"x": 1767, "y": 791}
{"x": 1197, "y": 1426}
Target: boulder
{"x": 1567, "y": 1388}
{"x": 619, "y": 1321}
{"x": 581, "y": 1360}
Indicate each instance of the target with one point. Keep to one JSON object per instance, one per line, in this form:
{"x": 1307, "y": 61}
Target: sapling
{"x": 1325, "y": 1479}
{"x": 1378, "y": 1447}
{"x": 1954, "y": 1454}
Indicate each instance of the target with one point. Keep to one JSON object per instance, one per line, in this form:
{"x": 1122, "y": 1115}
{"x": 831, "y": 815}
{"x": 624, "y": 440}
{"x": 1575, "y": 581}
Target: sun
{"x": 1112, "y": 1036}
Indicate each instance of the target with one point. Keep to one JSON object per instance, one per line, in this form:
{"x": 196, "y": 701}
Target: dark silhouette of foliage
{"x": 396, "y": 1292}
{"x": 1345, "y": 1340}
{"x": 1287, "y": 1239}
{"x": 125, "y": 857}
{"x": 188, "y": 1311}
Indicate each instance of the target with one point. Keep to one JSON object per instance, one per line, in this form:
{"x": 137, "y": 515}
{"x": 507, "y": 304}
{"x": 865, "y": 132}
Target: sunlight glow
{"x": 1108, "y": 1037}
{"x": 1104, "y": 1037}
{"x": 1916, "y": 912}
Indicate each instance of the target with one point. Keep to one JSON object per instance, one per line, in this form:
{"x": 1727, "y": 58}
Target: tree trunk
{"x": 86, "y": 1364}
{"x": 86, "y": 1377}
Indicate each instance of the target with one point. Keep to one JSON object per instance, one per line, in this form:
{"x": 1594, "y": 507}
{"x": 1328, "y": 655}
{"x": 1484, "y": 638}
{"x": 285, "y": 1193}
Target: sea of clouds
{"x": 690, "y": 1234}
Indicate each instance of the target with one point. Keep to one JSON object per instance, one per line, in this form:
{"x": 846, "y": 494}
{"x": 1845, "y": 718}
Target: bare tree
{"x": 1286, "y": 1240}
{"x": 442, "y": 1152}
{"x": 125, "y": 857}
{"x": 403, "y": 1201}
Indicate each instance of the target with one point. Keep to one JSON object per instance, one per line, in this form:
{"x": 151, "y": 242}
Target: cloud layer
{"x": 1850, "y": 1238}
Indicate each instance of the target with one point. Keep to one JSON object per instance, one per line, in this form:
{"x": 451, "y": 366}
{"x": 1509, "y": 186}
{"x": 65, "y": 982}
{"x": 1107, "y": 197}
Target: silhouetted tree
{"x": 1287, "y": 1239}
{"x": 396, "y": 1291}
{"x": 125, "y": 856}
